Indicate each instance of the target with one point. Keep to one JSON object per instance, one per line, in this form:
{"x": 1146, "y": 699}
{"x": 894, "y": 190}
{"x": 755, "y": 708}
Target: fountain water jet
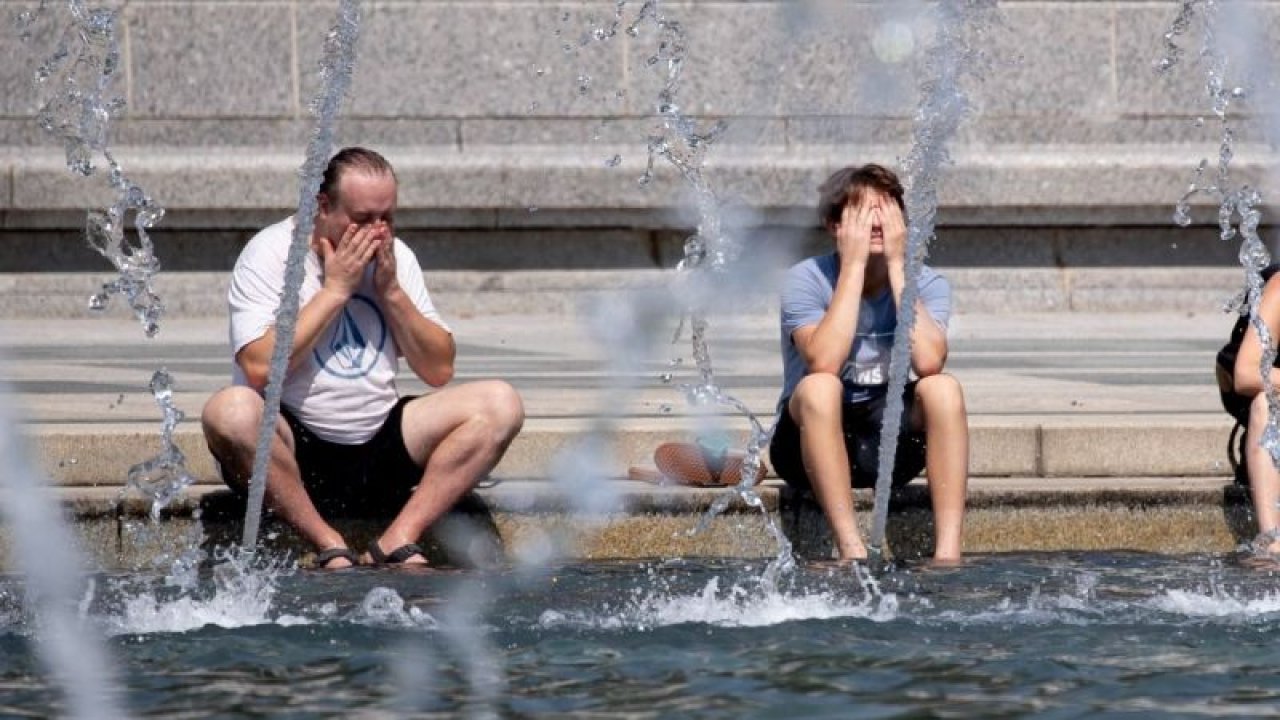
{"x": 1228, "y": 46}
{"x": 708, "y": 253}
{"x": 56, "y": 589}
{"x": 81, "y": 71}
{"x": 943, "y": 105}
{"x": 336, "y": 67}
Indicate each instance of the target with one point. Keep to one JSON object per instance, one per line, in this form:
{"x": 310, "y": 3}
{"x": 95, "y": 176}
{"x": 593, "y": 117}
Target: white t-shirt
{"x": 345, "y": 390}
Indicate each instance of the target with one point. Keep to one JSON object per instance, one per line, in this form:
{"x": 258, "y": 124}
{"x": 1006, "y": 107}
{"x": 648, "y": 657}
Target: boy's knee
{"x": 941, "y": 392}
{"x": 817, "y": 394}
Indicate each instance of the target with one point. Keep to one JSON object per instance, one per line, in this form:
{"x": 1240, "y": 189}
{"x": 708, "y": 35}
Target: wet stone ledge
{"x": 530, "y": 522}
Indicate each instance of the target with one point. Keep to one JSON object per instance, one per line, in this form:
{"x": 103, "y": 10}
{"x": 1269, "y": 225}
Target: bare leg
{"x": 231, "y": 419}
{"x": 940, "y": 410}
{"x": 1264, "y": 479}
{"x": 817, "y": 406}
{"x": 459, "y": 434}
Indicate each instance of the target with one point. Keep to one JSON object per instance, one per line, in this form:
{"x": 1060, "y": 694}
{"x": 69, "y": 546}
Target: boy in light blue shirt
{"x": 839, "y": 313}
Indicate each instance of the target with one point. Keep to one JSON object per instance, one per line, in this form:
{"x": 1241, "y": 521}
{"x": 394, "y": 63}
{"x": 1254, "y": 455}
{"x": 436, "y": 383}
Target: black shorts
{"x": 374, "y": 478}
{"x": 861, "y": 421}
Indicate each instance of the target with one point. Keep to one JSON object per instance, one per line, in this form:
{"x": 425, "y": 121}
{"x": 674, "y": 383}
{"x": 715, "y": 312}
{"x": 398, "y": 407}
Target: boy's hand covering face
{"x": 853, "y": 234}
{"x": 893, "y": 230}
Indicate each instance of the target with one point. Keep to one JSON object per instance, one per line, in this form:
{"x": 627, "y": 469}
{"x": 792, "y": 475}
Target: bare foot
{"x": 1267, "y": 543}
{"x": 852, "y": 553}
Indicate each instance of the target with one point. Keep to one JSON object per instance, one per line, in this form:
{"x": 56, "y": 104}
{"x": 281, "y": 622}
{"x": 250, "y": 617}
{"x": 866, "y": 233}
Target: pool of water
{"x": 1052, "y": 635}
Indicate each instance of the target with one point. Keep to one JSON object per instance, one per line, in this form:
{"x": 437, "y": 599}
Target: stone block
{"x": 470, "y": 59}
{"x": 532, "y": 249}
{"x": 851, "y": 130}
{"x": 783, "y": 59}
{"x": 19, "y": 93}
{"x": 978, "y": 290}
{"x": 207, "y": 60}
{"x": 1135, "y": 448}
{"x": 176, "y": 178}
{"x": 1129, "y": 290}
{"x": 996, "y": 450}
{"x": 1049, "y": 59}
{"x": 1181, "y": 92}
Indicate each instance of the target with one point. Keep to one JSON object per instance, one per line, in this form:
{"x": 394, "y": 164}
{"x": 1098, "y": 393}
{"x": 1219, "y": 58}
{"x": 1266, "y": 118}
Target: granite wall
{"x": 508, "y": 115}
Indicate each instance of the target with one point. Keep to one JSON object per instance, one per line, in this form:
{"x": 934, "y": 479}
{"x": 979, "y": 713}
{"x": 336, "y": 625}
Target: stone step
{"x": 464, "y": 294}
{"x": 1032, "y": 446}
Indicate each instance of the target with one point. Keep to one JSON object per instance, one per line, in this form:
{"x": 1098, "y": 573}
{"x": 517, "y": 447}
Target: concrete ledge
{"x": 534, "y": 521}
{"x": 1001, "y": 184}
{"x": 56, "y": 295}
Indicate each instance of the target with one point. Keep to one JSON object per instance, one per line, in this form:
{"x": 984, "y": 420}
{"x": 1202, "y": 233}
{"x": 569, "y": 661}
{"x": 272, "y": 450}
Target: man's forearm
{"x": 313, "y": 318}
{"x": 427, "y": 348}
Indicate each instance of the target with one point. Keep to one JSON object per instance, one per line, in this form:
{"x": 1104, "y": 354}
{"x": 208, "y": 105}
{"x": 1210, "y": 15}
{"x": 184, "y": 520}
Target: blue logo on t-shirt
{"x": 355, "y": 342}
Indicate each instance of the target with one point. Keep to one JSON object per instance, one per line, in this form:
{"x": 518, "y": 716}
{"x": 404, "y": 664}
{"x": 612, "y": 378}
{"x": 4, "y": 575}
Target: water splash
{"x": 78, "y": 77}
{"x": 753, "y": 604}
{"x": 241, "y": 595}
{"x": 163, "y": 477}
{"x": 336, "y": 66}
{"x": 1239, "y": 207}
{"x": 56, "y": 589}
{"x": 684, "y": 143}
{"x": 956, "y": 54}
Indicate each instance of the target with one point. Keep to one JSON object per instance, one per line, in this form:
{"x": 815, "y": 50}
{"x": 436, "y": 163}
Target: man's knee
{"x": 817, "y": 396}
{"x": 232, "y": 412}
{"x": 503, "y": 407}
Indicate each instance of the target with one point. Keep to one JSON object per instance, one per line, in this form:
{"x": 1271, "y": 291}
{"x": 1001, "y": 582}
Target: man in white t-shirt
{"x": 346, "y": 440}
{"x": 839, "y": 314}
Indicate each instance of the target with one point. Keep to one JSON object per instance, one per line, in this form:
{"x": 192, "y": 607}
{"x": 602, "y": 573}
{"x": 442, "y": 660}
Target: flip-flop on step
{"x": 324, "y": 557}
{"x": 397, "y": 556}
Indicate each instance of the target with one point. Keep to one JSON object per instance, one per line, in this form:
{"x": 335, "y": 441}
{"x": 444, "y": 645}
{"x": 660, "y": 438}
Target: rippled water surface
{"x": 1060, "y": 635}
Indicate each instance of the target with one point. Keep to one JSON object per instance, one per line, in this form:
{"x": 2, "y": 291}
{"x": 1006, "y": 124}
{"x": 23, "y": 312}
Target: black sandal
{"x": 324, "y": 557}
{"x": 395, "y": 557}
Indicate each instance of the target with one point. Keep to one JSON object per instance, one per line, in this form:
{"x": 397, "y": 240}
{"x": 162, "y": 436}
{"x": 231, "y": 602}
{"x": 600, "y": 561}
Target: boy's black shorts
{"x": 374, "y": 478}
{"x": 861, "y": 422}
